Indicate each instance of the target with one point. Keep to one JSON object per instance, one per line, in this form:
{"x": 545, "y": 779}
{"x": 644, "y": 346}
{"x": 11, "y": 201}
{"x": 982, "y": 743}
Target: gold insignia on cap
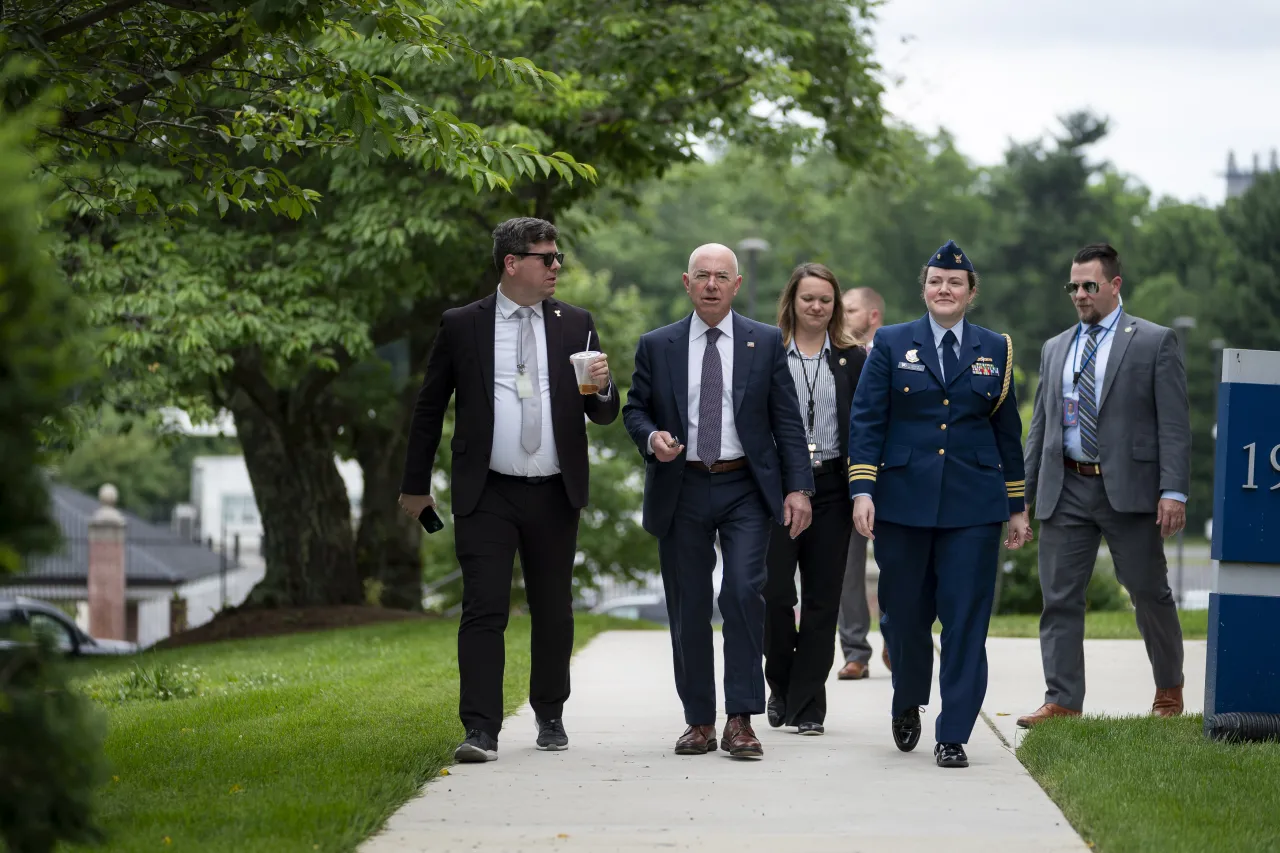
{"x": 959, "y": 259}
{"x": 939, "y": 256}
{"x": 912, "y": 356}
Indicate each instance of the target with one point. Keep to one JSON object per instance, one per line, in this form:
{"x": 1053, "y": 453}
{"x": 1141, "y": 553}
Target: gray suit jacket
{"x": 1144, "y": 422}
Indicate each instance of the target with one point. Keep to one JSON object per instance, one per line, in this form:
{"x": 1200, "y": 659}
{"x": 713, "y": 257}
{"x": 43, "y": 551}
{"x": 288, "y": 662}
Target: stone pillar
{"x": 106, "y": 568}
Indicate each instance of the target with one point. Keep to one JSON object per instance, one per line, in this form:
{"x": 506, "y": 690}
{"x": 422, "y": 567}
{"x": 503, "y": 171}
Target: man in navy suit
{"x": 722, "y": 381}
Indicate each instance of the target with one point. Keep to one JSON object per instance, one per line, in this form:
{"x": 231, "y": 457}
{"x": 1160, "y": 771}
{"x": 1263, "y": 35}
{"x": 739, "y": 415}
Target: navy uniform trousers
{"x": 950, "y": 574}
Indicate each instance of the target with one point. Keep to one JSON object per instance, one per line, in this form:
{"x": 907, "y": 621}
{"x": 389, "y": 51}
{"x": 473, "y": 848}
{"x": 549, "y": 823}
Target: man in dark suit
{"x": 519, "y": 475}
{"x": 1108, "y": 454}
{"x": 721, "y": 380}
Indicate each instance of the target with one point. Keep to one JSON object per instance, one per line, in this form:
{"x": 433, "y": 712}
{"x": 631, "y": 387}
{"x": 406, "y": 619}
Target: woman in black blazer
{"x": 825, "y": 363}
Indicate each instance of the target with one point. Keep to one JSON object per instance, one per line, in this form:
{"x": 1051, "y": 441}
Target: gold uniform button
{"x": 944, "y": 426}
{"x": 946, "y": 402}
{"x": 941, "y": 452}
{"x": 905, "y": 389}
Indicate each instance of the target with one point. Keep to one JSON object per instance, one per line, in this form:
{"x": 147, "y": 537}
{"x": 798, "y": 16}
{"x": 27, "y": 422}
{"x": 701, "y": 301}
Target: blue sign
{"x": 1246, "y": 487}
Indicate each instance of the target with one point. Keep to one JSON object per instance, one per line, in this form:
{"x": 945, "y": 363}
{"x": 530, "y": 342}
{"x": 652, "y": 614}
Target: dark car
{"x": 19, "y": 615}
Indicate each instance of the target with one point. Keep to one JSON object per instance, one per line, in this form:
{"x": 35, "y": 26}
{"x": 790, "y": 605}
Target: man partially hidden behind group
{"x": 519, "y": 473}
{"x": 720, "y": 382}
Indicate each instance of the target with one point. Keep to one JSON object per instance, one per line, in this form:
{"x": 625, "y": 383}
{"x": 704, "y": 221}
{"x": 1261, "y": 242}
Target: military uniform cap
{"x": 950, "y": 257}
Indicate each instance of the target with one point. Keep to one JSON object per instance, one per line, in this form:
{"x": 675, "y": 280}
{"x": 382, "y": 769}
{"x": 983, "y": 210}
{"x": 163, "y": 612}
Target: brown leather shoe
{"x": 884, "y": 656}
{"x": 739, "y": 740}
{"x": 1168, "y": 702}
{"x": 697, "y": 740}
{"x": 1047, "y": 711}
{"x": 852, "y": 671}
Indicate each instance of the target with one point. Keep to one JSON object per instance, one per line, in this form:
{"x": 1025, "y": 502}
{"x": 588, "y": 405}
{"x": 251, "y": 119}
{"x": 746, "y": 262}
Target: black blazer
{"x": 766, "y": 415}
{"x": 461, "y": 363}
{"x": 846, "y": 367}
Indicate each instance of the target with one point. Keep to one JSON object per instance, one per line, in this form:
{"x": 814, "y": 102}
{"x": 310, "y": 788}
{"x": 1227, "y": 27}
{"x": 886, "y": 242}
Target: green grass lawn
{"x": 1103, "y": 625}
{"x": 306, "y": 742}
{"x": 1143, "y": 784}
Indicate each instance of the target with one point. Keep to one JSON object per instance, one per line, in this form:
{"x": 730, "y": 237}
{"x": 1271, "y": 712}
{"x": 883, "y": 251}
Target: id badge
{"x": 1070, "y": 411}
{"x": 524, "y": 386}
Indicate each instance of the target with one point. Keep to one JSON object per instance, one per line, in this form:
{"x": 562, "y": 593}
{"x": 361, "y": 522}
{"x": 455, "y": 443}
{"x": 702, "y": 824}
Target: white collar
{"x": 939, "y": 332}
{"x": 699, "y": 327}
{"x": 1106, "y": 322}
{"x": 826, "y": 346}
{"x": 507, "y": 308}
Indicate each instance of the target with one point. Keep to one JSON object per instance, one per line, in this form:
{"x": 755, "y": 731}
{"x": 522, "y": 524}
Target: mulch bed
{"x": 241, "y": 623}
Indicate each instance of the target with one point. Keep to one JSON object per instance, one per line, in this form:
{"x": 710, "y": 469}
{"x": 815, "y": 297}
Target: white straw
{"x": 588, "y": 340}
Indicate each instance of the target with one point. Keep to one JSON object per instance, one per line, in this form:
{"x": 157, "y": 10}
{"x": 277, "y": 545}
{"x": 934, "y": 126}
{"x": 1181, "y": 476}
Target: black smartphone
{"x": 430, "y": 521}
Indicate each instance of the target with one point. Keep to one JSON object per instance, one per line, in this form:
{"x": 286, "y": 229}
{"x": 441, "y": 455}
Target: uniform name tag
{"x": 902, "y": 365}
{"x": 1070, "y": 411}
{"x": 524, "y": 386}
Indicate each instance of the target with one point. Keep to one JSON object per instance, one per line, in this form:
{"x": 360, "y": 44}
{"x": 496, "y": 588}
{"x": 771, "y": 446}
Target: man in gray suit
{"x": 1109, "y": 454}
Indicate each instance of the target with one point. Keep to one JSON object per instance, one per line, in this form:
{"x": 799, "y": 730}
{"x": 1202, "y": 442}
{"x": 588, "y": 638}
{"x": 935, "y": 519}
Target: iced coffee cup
{"x": 582, "y": 362}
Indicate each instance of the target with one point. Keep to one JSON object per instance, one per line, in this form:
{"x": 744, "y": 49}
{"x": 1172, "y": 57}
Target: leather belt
{"x": 722, "y": 467}
{"x": 1088, "y": 469}
{"x": 531, "y": 481}
{"x": 829, "y": 466}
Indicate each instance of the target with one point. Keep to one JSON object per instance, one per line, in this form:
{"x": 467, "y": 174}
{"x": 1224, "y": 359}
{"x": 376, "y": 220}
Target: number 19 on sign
{"x": 1252, "y": 450}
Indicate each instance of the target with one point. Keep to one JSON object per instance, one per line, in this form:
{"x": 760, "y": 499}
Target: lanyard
{"x": 1075, "y": 349}
{"x": 810, "y": 386}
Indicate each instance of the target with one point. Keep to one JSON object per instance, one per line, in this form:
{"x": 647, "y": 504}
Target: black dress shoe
{"x": 810, "y": 729}
{"x": 776, "y": 710}
{"x": 906, "y": 729}
{"x": 950, "y": 755}
{"x": 551, "y": 735}
{"x": 477, "y": 748}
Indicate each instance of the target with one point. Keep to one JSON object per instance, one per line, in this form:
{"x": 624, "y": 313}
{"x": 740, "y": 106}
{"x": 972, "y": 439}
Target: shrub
{"x": 50, "y": 753}
{"x": 1018, "y": 584}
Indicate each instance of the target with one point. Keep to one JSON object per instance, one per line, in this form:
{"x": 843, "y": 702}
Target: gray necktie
{"x": 531, "y": 406}
{"x": 710, "y": 398}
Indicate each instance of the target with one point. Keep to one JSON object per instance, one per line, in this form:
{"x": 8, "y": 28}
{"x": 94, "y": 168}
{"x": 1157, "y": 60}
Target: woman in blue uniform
{"x": 935, "y": 470}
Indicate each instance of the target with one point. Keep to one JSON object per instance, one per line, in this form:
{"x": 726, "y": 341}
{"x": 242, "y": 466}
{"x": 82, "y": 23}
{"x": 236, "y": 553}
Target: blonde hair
{"x": 840, "y": 339}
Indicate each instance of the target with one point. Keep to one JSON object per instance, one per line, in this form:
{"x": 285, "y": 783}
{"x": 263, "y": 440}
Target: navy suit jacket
{"x": 935, "y": 454}
{"x": 766, "y": 413}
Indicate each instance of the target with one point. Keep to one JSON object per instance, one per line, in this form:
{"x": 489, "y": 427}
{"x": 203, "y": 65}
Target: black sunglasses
{"x": 1089, "y": 286}
{"x": 548, "y": 258}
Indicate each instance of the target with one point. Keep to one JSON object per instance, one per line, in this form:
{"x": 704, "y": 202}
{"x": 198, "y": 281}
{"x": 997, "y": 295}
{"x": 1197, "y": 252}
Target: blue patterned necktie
{"x": 950, "y": 361}
{"x": 710, "y": 396}
{"x": 1089, "y": 397}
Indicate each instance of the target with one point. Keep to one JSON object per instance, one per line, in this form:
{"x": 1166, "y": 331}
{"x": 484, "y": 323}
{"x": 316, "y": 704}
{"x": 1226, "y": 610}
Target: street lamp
{"x": 753, "y": 246}
{"x": 1182, "y": 325}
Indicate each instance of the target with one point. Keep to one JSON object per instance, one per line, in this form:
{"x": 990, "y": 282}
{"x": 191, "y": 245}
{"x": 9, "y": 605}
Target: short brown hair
{"x": 840, "y": 339}
{"x": 1103, "y": 252}
{"x": 517, "y": 235}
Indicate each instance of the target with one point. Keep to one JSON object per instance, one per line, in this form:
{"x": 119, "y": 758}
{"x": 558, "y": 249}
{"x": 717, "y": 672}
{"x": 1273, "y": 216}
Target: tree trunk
{"x": 309, "y": 545}
{"x": 389, "y": 543}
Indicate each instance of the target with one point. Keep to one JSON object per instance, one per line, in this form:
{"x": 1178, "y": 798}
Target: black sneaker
{"x": 551, "y": 735}
{"x": 810, "y": 729}
{"x": 906, "y": 729}
{"x": 476, "y": 749}
{"x": 950, "y": 755}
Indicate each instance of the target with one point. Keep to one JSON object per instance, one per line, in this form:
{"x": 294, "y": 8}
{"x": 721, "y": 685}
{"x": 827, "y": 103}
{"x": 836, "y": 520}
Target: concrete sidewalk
{"x": 1118, "y": 680}
{"x": 621, "y": 788}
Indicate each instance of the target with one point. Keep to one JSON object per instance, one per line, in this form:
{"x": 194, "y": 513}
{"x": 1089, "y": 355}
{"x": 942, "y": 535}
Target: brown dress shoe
{"x": 1168, "y": 702}
{"x": 697, "y": 740}
{"x": 1047, "y": 711}
{"x": 852, "y": 671}
{"x": 739, "y": 740}
{"x": 884, "y": 656}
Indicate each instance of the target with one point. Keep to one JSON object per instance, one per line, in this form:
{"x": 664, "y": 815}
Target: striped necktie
{"x": 1089, "y": 397}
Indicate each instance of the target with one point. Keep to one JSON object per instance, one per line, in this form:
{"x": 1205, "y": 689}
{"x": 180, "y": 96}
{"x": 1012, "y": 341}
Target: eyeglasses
{"x": 1089, "y": 286}
{"x": 548, "y": 258}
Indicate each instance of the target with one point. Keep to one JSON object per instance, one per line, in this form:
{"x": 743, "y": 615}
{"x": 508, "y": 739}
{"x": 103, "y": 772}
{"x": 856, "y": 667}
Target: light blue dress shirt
{"x": 938, "y": 334}
{"x": 1075, "y": 360}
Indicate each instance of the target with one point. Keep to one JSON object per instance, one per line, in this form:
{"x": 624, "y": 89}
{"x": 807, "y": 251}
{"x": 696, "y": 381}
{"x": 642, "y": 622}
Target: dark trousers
{"x": 948, "y": 574}
{"x": 797, "y": 661}
{"x": 538, "y": 522}
{"x": 730, "y": 505}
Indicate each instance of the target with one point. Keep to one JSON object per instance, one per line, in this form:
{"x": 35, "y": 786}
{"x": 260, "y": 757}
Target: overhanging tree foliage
{"x": 264, "y": 317}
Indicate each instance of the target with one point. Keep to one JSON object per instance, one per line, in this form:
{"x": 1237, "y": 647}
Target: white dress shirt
{"x": 938, "y": 334}
{"x": 1070, "y": 390}
{"x": 730, "y": 445}
{"x": 508, "y": 456}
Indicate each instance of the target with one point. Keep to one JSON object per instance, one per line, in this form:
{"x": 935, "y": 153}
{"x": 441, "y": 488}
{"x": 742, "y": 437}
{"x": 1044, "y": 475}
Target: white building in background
{"x": 225, "y": 507}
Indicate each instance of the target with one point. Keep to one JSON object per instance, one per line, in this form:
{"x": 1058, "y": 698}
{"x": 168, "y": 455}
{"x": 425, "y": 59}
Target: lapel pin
{"x": 557, "y": 312}
{"x": 751, "y": 344}
{"x": 1128, "y": 329}
{"x": 912, "y": 357}
{"x": 844, "y": 361}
